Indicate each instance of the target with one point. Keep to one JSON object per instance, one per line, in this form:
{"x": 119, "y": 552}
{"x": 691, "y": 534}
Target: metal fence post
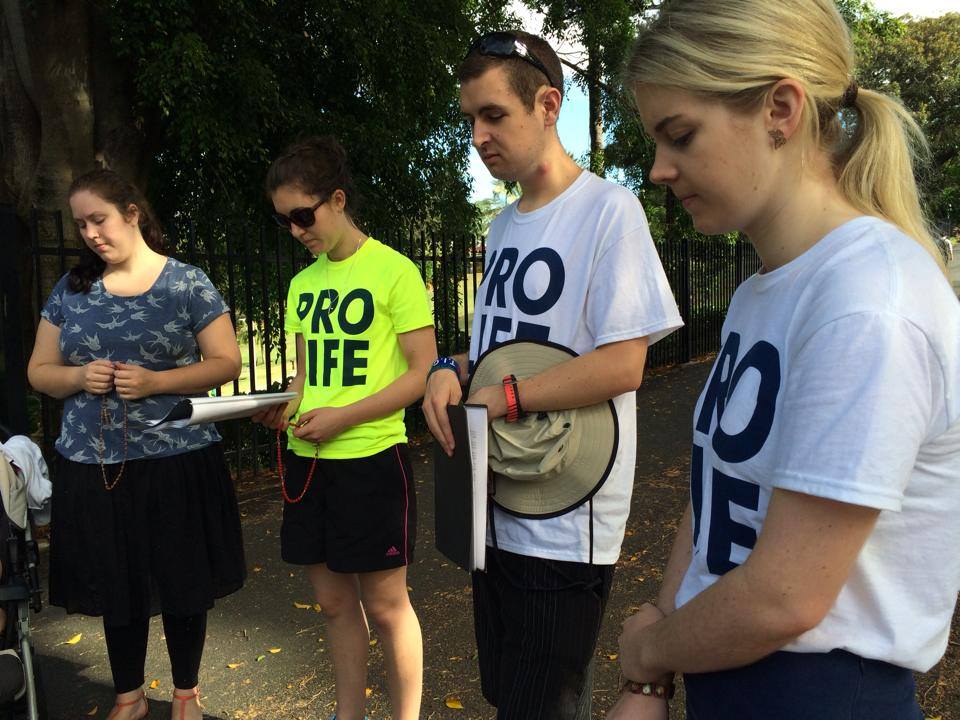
{"x": 11, "y": 312}
{"x": 738, "y": 261}
{"x": 685, "y": 290}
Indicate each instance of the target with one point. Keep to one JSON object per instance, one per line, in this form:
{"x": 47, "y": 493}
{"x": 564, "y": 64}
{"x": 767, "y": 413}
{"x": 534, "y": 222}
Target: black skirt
{"x": 166, "y": 539}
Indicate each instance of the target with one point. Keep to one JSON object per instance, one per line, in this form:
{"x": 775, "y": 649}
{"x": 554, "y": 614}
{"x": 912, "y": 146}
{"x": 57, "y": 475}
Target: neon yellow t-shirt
{"x": 349, "y": 314}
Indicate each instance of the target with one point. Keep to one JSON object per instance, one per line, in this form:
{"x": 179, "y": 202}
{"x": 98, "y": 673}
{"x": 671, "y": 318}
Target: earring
{"x": 778, "y": 139}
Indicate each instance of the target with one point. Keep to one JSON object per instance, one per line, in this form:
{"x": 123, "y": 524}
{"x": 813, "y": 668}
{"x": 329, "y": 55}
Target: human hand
{"x": 630, "y": 641}
{"x": 443, "y": 389}
{"x": 134, "y": 382}
{"x": 97, "y": 377}
{"x": 493, "y": 397}
{"x": 633, "y": 706}
{"x": 320, "y": 424}
{"x": 277, "y": 417}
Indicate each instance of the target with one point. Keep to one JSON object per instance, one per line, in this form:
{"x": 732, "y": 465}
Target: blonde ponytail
{"x": 736, "y": 50}
{"x": 876, "y": 174}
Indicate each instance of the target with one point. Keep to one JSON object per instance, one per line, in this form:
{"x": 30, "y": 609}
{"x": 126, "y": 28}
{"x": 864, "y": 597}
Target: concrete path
{"x": 266, "y": 657}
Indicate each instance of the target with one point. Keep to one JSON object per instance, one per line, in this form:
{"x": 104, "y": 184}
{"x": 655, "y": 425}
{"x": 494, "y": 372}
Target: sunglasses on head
{"x": 508, "y": 45}
{"x": 302, "y": 217}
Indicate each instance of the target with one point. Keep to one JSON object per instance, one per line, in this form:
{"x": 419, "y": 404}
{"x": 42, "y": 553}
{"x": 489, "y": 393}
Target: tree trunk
{"x": 65, "y": 108}
{"x": 66, "y": 103}
{"x": 597, "y": 161}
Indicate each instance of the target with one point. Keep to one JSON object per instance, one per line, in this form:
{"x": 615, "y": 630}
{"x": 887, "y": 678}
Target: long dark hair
{"x": 121, "y": 193}
{"x": 317, "y": 166}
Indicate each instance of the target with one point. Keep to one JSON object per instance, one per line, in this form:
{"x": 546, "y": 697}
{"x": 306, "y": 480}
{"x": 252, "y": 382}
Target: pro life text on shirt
{"x": 727, "y": 492}
{"x": 328, "y": 308}
{"x": 508, "y": 270}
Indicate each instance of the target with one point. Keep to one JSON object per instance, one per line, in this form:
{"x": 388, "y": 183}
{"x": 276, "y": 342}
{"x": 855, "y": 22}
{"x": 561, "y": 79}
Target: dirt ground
{"x": 266, "y": 655}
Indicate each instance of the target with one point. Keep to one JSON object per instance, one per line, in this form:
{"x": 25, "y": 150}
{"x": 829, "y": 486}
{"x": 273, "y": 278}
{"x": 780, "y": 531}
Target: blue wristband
{"x": 444, "y": 363}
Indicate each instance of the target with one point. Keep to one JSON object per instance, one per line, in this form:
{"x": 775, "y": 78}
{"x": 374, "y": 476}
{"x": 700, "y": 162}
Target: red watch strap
{"x": 513, "y": 398}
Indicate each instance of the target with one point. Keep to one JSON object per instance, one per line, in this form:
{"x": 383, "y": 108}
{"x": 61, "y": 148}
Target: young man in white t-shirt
{"x": 571, "y": 262}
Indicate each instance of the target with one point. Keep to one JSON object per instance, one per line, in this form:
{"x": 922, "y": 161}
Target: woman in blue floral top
{"x": 144, "y": 521}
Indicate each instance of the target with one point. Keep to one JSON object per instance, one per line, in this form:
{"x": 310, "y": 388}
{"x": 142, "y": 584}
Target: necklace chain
{"x": 326, "y": 267}
{"x": 316, "y": 446}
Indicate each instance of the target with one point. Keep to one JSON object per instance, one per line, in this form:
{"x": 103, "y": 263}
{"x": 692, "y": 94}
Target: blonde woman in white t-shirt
{"x": 816, "y": 564}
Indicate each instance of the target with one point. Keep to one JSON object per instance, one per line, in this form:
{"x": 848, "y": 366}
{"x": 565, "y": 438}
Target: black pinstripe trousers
{"x": 537, "y": 623}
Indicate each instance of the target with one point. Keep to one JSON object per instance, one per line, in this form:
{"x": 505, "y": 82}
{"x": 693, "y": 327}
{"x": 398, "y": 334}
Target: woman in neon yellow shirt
{"x": 365, "y": 342}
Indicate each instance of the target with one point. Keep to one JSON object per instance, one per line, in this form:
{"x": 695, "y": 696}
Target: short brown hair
{"x": 524, "y": 78}
{"x": 317, "y": 166}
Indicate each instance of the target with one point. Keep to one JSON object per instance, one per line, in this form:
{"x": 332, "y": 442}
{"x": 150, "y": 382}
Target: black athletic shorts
{"x": 358, "y": 515}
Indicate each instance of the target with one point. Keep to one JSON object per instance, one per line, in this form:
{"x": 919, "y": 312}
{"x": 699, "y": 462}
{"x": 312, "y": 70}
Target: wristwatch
{"x": 444, "y": 363}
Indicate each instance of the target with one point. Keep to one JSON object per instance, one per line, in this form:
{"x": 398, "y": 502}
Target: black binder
{"x": 460, "y": 489}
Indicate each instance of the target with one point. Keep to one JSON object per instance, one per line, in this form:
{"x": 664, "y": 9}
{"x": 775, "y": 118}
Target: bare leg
{"x": 385, "y": 599}
{"x": 338, "y": 595}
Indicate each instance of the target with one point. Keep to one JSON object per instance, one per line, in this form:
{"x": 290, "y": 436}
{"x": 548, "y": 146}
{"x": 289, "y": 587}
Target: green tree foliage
{"x": 605, "y": 29}
{"x": 918, "y": 60}
{"x": 222, "y": 87}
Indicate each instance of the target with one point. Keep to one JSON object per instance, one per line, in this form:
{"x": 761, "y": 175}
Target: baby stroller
{"x": 21, "y": 693}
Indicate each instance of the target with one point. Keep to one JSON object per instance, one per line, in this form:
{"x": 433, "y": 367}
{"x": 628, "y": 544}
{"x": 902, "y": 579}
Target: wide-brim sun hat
{"x": 546, "y": 463}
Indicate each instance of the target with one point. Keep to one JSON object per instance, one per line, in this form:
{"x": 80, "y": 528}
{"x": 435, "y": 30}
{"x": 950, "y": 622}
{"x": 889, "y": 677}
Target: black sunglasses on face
{"x": 302, "y": 217}
{"x": 507, "y": 45}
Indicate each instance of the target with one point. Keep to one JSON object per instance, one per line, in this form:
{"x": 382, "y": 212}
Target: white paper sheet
{"x": 477, "y": 429}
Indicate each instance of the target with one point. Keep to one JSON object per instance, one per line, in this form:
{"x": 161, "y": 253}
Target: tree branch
{"x": 586, "y": 76}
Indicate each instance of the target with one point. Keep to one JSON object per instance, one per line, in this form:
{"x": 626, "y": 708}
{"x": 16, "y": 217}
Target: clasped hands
{"x": 316, "y": 426}
{"x": 132, "y": 382}
{"x": 632, "y": 706}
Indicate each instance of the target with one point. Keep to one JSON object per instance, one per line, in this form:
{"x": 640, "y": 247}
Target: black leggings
{"x": 127, "y": 648}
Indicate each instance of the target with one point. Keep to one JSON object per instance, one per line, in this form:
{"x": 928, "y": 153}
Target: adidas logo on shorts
{"x": 393, "y": 552}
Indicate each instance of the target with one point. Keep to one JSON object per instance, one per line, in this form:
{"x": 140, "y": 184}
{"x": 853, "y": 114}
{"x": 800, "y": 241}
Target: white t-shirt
{"x": 839, "y": 377}
{"x": 582, "y": 272}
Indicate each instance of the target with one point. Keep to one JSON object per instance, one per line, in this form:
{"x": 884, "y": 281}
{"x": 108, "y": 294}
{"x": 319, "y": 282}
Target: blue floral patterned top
{"x": 156, "y": 330}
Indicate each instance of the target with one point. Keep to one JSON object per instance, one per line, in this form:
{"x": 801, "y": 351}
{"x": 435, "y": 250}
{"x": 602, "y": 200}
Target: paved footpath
{"x": 266, "y": 657}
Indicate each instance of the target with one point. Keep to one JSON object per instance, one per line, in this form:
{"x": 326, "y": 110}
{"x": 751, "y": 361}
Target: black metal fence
{"x": 251, "y": 264}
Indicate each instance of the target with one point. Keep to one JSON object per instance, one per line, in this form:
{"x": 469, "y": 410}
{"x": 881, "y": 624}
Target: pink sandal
{"x": 142, "y": 698}
{"x": 184, "y": 699}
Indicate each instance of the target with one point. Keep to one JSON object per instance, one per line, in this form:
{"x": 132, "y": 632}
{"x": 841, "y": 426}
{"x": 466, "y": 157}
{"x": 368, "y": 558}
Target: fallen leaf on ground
{"x": 257, "y": 568}
{"x": 74, "y": 640}
{"x": 92, "y": 711}
{"x": 234, "y": 666}
{"x": 316, "y": 607}
{"x": 154, "y": 685}
{"x": 612, "y": 656}
{"x": 301, "y": 606}
{"x": 453, "y": 702}
{"x": 260, "y": 658}
{"x": 373, "y": 642}
{"x": 274, "y": 651}
{"x": 368, "y": 692}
